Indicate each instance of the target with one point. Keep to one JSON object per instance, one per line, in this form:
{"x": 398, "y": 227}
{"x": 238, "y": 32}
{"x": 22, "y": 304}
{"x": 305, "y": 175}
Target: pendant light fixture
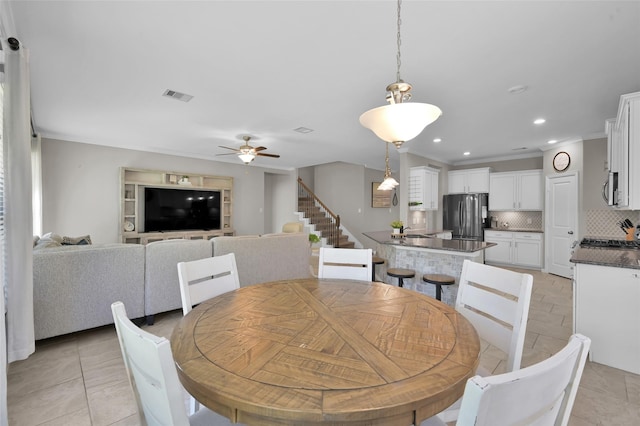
{"x": 400, "y": 121}
{"x": 389, "y": 182}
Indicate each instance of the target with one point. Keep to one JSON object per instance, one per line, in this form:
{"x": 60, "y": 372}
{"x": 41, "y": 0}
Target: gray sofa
{"x": 161, "y": 289}
{"x": 270, "y": 257}
{"x": 74, "y": 286}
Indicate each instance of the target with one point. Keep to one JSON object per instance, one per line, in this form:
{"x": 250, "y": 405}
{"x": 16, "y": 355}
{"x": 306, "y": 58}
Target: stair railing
{"x": 328, "y": 224}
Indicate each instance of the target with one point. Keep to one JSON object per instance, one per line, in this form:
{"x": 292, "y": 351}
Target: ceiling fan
{"x": 247, "y": 153}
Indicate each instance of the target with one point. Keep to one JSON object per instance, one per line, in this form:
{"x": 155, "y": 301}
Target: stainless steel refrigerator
{"x": 465, "y": 215}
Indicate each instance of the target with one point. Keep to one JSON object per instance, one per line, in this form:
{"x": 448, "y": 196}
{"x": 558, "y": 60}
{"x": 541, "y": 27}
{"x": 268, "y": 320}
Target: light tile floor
{"x": 79, "y": 379}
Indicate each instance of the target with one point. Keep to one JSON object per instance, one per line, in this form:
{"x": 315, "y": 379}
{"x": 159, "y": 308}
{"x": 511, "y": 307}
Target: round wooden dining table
{"x": 323, "y": 351}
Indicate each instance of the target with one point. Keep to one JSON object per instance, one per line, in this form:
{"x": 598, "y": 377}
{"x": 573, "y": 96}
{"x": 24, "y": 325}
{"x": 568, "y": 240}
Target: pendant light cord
{"x": 387, "y": 170}
{"x": 399, "y": 41}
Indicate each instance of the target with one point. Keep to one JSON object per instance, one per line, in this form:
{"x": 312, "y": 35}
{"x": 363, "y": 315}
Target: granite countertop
{"x": 515, "y": 230}
{"x": 428, "y": 242}
{"x": 619, "y": 258}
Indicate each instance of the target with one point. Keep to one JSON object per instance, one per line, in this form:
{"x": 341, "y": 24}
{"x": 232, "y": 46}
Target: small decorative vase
{"x": 396, "y": 230}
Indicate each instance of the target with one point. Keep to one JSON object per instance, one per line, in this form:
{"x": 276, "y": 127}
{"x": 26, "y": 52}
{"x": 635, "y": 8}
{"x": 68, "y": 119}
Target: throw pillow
{"x": 53, "y": 237}
{"x": 76, "y": 241}
{"x": 44, "y": 243}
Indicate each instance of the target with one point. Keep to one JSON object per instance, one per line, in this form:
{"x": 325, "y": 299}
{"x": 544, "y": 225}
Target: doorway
{"x": 561, "y": 223}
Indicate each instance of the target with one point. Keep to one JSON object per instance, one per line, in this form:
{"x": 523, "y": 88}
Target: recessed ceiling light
{"x": 552, "y": 141}
{"x": 437, "y": 140}
{"x": 517, "y": 89}
{"x": 303, "y": 130}
{"x": 466, "y": 153}
{"x": 539, "y": 121}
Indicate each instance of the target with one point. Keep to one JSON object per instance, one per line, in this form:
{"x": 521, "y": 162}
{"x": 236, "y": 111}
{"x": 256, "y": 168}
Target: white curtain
{"x": 36, "y": 183}
{"x": 18, "y": 249}
{"x": 4, "y": 420}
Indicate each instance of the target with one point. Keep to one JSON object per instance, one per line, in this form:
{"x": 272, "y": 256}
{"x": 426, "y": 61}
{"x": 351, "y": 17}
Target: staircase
{"x": 320, "y": 219}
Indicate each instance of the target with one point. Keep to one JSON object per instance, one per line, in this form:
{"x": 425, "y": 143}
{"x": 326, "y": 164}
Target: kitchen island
{"x": 425, "y": 254}
{"x": 606, "y": 294}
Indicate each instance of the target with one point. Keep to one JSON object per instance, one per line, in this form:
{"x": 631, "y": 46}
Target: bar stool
{"x": 375, "y": 260}
{"x": 438, "y": 280}
{"x": 400, "y": 274}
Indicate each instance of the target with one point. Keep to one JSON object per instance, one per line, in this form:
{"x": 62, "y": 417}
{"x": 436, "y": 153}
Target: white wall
{"x": 281, "y": 200}
{"x": 81, "y": 187}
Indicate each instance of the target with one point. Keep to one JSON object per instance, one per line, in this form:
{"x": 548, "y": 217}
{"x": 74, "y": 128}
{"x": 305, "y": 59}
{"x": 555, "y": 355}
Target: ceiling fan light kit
{"x": 246, "y": 153}
{"x": 246, "y": 156}
{"x": 399, "y": 121}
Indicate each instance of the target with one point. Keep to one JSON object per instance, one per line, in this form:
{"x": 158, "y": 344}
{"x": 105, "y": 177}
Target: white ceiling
{"x": 264, "y": 68}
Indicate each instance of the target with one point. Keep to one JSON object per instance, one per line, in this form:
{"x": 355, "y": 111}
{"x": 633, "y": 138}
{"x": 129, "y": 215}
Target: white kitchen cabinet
{"x": 500, "y": 253}
{"x": 623, "y": 150}
{"x": 605, "y": 306}
{"x": 527, "y": 249}
{"x": 515, "y": 191}
{"x": 423, "y": 188}
{"x": 514, "y": 248}
{"x": 469, "y": 180}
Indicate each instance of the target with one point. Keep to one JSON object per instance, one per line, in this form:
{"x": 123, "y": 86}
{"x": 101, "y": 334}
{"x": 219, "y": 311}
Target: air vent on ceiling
{"x": 519, "y": 149}
{"x": 177, "y": 95}
{"x": 303, "y": 130}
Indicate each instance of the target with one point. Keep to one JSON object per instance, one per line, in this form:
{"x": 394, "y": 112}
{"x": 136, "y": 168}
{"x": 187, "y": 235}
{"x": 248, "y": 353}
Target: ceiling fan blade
{"x": 260, "y": 154}
{"x": 226, "y": 147}
{"x": 260, "y": 148}
{"x": 231, "y": 153}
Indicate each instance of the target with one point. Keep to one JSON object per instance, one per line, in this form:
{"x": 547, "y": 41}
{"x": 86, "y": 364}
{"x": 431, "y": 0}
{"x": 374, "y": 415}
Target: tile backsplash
{"x": 518, "y": 220}
{"x": 603, "y": 223}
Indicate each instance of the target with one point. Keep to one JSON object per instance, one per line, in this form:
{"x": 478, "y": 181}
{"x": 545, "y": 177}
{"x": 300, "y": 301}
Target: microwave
{"x": 610, "y": 189}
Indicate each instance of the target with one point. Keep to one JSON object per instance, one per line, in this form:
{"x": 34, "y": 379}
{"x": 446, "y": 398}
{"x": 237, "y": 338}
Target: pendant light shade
{"x": 398, "y": 123}
{"x": 388, "y": 184}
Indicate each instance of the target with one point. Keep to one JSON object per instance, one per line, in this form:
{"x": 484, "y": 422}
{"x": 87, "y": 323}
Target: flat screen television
{"x": 168, "y": 209}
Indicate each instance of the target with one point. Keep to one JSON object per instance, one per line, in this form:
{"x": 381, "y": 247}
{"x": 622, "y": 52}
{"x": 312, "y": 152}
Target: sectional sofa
{"x": 74, "y": 286}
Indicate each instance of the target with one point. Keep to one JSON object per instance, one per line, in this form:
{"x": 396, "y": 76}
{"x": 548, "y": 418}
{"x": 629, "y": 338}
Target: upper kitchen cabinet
{"x": 623, "y": 149}
{"x": 423, "y": 188}
{"x": 516, "y": 191}
{"x": 469, "y": 180}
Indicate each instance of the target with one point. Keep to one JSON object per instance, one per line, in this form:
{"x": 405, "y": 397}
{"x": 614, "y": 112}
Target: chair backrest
{"x": 496, "y": 301}
{"x": 152, "y": 372}
{"x": 345, "y": 263}
{"x": 542, "y": 394}
{"x": 206, "y": 278}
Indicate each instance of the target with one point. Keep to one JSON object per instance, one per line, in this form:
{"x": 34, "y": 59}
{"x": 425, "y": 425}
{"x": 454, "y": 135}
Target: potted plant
{"x": 397, "y": 226}
{"x": 313, "y": 239}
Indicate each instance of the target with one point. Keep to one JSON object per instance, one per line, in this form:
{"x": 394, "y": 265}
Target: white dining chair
{"x": 153, "y": 377}
{"x": 345, "y": 263}
{"x": 206, "y": 278}
{"x": 496, "y": 301}
{"x": 541, "y": 394}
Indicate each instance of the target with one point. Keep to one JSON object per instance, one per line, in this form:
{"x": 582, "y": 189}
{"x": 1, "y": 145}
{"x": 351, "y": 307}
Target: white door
{"x": 561, "y": 223}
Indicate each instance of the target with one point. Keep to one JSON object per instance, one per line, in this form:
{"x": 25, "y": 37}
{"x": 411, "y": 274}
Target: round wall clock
{"x": 561, "y": 161}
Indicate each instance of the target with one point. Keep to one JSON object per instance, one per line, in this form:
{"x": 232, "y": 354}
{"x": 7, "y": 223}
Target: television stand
{"x": 149, "y": 237}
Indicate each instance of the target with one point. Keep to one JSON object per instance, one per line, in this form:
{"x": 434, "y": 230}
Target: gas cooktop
{"x": 604, "y": 243}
